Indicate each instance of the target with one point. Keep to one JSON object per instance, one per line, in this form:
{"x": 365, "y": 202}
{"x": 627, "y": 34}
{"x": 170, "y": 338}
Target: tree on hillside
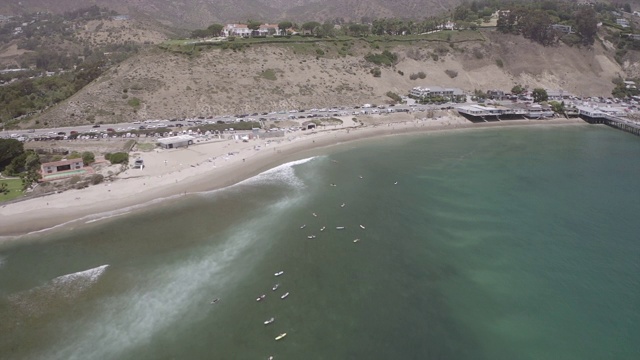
{"x": 253, "y": 26}
{"x": 283, "y": 26}
{"x": 540, "y": 95}
{"x": 199, "y": 33}
{"x": 9, "y": 149}
{"x": 88, "y": 158}
{"x": 311, "y": 26}
{"x": 537, "y": 27}
{"x": 586, "y": 24}
{"x": 358, "y": 29}
{"x": 517, "y": 90}
{"x": 215, "y": 29}
{"x": 326, "y": 30}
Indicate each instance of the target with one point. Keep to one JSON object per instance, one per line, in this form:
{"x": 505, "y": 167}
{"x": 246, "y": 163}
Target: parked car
{"x": 96, "y": 125}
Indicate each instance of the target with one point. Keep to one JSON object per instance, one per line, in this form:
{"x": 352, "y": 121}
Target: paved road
{"x": 282, "y": 115}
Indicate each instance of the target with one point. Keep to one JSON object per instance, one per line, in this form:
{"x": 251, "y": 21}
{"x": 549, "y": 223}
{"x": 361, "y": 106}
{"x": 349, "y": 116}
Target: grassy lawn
{"x": 15, "y": 189}
{"x": 188, "y": 45}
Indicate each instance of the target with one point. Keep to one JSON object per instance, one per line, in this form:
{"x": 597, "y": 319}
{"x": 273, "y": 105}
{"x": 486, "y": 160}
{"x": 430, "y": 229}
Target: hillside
{"x": 197, "y": 13}
{"x": 162, "y": 84}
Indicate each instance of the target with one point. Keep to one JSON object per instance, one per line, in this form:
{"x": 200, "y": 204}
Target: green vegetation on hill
{"x": 29, "y": 96}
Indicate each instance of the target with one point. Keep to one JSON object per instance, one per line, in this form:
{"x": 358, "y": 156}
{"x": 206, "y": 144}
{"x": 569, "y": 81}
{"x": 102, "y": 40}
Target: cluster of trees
{"x": 529, "y": 18}
{"x": 28, "y": 96}
{"x": 15, "y": 161}
{"x": 534, "y": 19}
{"x": 621, "y": 90}
{"x": 387, "y": 26}
{"x": 386, "y": 58}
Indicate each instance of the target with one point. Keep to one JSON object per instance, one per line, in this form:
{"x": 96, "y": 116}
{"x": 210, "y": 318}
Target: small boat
{"x": 281, "y": 336}
{"x": 356, "y": 240}
{"x": 314, "y": 214}
{"x": 360, "y": 176}
{"x": 343, "y": 205}
{"x": 270, "y": 358}
{"x": 275, "y": 287}
{"x": 362, "y": 227}
{"x": 334, "y": 185}
{"x": 279, "y": 273}
{"x": 215, "y": 301}
{"x": 303, "y": 226}
{"x": 284, "y": 296}
{"x": 339, "y": 227}
{"x": 267, "y": 322}
{"x": 261, "y": 297}
{"x": 395, "y": 183}
{"x": 311, "y": 237}
{"x": 324, "y": 227}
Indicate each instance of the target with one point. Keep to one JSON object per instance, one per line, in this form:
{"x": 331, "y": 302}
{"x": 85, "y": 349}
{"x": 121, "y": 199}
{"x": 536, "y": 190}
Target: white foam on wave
{"x": 280, "y": 174}
{"x": 106, "y": 217}
{"x": 165, "y": 297}
{"x": 36, "y": 301}
{"x": 284, "y": 174}
{"x": 87, "y": 276}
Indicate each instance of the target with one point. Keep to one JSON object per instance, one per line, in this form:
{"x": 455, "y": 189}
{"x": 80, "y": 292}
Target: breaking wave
{"x": 283, "y": 174}
{"x": 61, "y": 290}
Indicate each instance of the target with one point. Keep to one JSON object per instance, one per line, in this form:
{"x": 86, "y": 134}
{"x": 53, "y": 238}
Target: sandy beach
{"x": 213, "y": 165}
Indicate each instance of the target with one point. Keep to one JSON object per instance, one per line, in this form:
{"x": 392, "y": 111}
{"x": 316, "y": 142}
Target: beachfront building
{"x": 437, "y": 92}
{"x": 61, "y": 166}
{"x": 558, "y": 94}
{"x": 62, "y": 169}
{"x": 176, "y": 141}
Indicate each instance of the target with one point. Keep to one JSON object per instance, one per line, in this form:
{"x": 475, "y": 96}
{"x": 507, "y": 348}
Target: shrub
{"x": 422, "y": 75}
{"x": 452, "y": 74}
{"x": 96, "y": 179}
{"x": 74, "y": 179}
{"x": 386, "y": 58}
{"x": 134, "y": 102}
{"x": 401, "y": 73}
{"x": 320, "y": 52}
{"x": 499, "y": 63}
{"x": 268, "y": 74}
{"x": 413, "y": 76}
{"x": 435, "y": 57}
{"x": 395, "y": 97}
{"x": 88, "y": 158}
{"x": 376, "y": 72}
{"x": 74, "y": 155}
{"x": 119, "y": 158}
{"x": 477, "y": 53}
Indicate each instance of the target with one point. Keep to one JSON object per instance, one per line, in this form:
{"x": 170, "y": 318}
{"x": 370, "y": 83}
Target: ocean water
{"x": 493, "y": 244}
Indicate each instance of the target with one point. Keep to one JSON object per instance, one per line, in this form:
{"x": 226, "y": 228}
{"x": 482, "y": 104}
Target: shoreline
{"x": 172, "y": 173}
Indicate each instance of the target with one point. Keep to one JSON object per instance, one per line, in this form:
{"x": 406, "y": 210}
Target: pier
{"x": 597, "y": 116}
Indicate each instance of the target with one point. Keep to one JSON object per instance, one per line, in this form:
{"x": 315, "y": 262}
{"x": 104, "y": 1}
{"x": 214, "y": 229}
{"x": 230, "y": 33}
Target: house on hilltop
{"x": 244, "y": 31}
{"x": 623, "y": 22}
{"x": 565, "y": 29}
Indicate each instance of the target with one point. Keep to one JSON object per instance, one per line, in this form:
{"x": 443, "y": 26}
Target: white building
{"x": 243, "y": 30}
{"x": 622, "y": 22}
{"x": 176, "y": 141}
{"x": 436, "y": 91}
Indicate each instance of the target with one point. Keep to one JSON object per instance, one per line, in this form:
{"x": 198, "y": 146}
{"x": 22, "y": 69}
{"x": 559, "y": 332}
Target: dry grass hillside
{"x": 160, "y": 84}
{"x": 102, "y": 32}
{"x": 197, "y": 13}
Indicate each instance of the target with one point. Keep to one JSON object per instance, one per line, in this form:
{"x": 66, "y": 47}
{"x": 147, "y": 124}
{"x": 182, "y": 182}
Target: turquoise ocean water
{"x": 493, "y": 244}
